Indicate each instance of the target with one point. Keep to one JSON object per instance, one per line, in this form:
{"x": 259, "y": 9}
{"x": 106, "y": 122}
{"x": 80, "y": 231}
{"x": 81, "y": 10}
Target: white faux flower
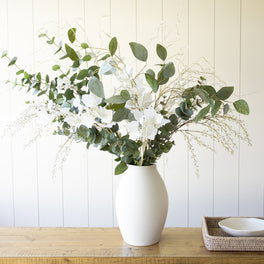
{"x": 77, "y": 103}
{"x": 91, "y": 100}
{"x": 87, "y": 120}
{"x": 145, "y": 100}
{"x": 107, "y": 68}
{"x": 73, "y": 120}
{"x": 133, "y": 130}
{"x": 105, "y": 115}
{"x": 144, "y": 97}
{"x": 137, "y": 114}
{"x": 151, "y": 121}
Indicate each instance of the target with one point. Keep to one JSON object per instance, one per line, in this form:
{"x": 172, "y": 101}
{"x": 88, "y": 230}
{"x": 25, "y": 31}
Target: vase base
{"x": 140, "y": 244}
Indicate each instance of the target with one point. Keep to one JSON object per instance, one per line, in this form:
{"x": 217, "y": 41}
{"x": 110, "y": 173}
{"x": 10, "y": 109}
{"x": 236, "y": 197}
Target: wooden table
{"x": 105, "y": 245}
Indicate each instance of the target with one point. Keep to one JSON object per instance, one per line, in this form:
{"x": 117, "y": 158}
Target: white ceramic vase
{"x": 141, "y": 205}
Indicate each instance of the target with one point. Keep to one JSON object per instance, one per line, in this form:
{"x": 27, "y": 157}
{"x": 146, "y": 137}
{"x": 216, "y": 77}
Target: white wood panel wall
{"x": 229, "y": 33}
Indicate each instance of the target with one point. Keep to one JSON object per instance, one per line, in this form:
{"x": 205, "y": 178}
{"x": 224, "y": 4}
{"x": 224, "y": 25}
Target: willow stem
{"x": 142, "y": 152}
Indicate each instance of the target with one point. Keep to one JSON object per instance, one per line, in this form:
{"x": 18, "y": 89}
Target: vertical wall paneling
{"x": 50, "y": 187}
{"x": 124, "y": 11}
{"x": 201, "y": 44}
{"x": 6, "y": 183}
{"x": 176, "y": 171}
{"x": 25, "y": 180}
{"x": 228, "y": 33}
{"x": 75, "y": 168}
{"x": 100, "y": 176}
{"x": 149, "y": 33}
{"x": 227, "y": 63}
{"x": 252, "y": 70}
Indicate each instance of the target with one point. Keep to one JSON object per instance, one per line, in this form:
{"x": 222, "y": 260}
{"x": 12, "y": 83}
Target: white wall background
{"x": 229, "y": 33}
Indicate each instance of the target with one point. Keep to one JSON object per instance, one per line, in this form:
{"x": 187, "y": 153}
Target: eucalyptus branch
{"x": 135, "y": 123}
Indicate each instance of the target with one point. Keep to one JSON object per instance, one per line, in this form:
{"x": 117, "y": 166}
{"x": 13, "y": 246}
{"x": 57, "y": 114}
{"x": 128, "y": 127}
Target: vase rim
{"x": 147, "y": 166}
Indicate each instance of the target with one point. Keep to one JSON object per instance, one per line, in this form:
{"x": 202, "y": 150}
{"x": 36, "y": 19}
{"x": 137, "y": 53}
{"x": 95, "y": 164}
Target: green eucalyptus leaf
{"x": 179, "y": 112}
{"x": 72, "y": 34}
{"x": 96, "y": 87}
{"x": 139, "y": 51}
{"x": 216, "y": 108}
{"x": 82, "y": 74}
{"x": 47, "y": 78}
{"x": 60, "y": 47}
{"x": 121, "y": 114}
{"x": 225, "y": 92}
{"x": 161, "y": 51}
{"x": 113, "y": 46}
{"x": 26, "y": 75}
{"x": 105, "y": 57}
{"x": 161, "y": 79}
{"x": 86, "y": 58}
{"x": 69, "y": 94}
{"x": 153, "y": 83}
{"x": 38, "y": 76}
{"x": 226, "y": 109}
{"x": 125, "y": 94}
{"x": 42, "y": 92}
{"x": 13, "y": 61}
{"x": 51, "y": 41}
{"x": 84, "y": 45}
{"x": 189, "y": 93}
{"x": 42, "y": 35}
{"x": 55, "y": 67}
{"x": 73, "y": 77}
{"x": 120, "y": 168}
{"x": 202, "y": 113}
{"x": 209, "y": 89}
{"x": 241, "y": 107}
{"x": 116, "y": 99}
{"x": 151, "y": 72}
{"x": 168, "y": 70}
{"x": 202, "y": 94}
{"x": 71, "y": 53}
{"x": 4, "y": 53}
{"x": 76, "y": 64}
{"x": 174, "y": 120}
{"x": 19, "y": 72}
{"x": 60, "y": 99}
{"x": 51, "y": 95}
{"x": 64, "y": 57}
{"x": 131, "y": 117}
{"x": 211, "y": 102}
{"x": 115, "y": 107}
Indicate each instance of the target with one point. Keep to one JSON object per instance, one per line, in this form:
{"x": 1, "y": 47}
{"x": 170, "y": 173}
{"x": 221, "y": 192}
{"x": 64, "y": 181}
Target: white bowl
{"x": 243, "y": 227}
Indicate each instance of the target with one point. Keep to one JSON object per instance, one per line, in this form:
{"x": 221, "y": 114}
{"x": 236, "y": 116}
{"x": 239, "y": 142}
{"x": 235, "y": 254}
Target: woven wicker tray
{"x": 217, "y": 240}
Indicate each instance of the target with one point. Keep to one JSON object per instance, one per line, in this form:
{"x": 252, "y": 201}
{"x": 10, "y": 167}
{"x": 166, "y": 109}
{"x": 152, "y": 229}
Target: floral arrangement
{"x": 137, "y": 121}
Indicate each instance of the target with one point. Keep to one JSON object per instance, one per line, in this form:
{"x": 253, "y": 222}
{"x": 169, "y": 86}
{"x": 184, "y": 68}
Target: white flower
{"x": 77, "y": 103}
{"x": 144, "y": 97}
{"x": 133, "y": 130}
{"x": 145, "y": 101}
{"x": 105, "y": 115}
{"x": 107, "y": 68}
{"x": 73, "y": 120}
{"x": 151, "y": 121}
{"x": 87, "y": 120}
{"x": 137, "y": 114}
{"x": 91, "y": 100}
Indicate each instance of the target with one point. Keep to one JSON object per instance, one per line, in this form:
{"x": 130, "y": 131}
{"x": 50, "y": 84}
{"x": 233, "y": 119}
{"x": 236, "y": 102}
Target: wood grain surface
{"x": 105, "y": 245}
